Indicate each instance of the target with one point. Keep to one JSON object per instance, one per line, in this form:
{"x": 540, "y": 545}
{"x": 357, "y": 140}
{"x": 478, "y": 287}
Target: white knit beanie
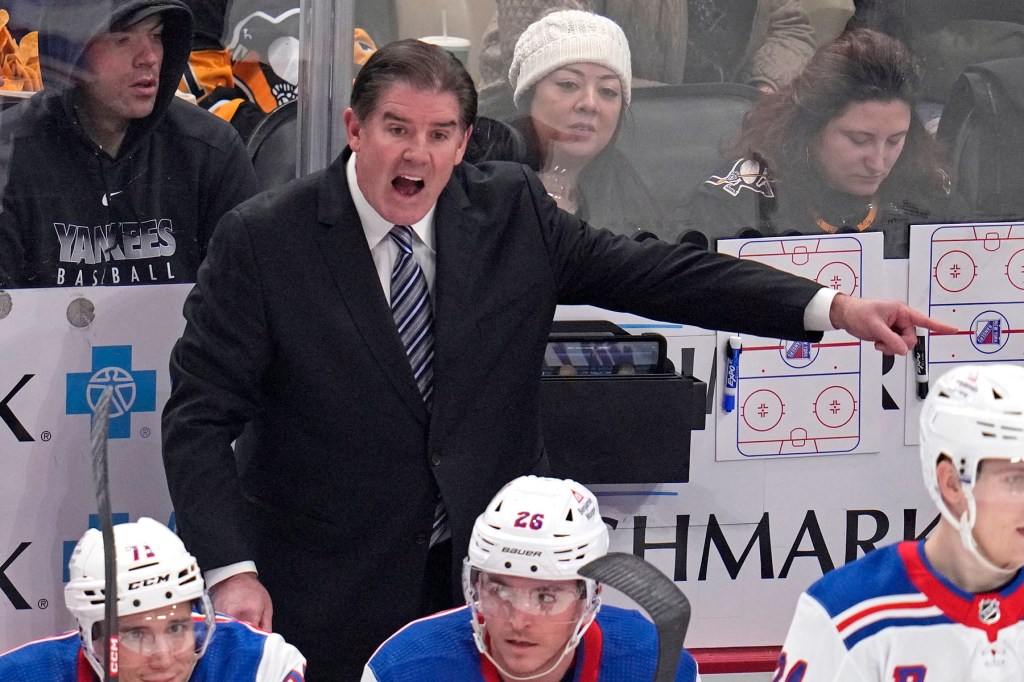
{"x": 568, "y": 37}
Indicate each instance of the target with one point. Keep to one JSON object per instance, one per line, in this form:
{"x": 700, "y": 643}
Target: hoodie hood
{"x": 68, "y": 26}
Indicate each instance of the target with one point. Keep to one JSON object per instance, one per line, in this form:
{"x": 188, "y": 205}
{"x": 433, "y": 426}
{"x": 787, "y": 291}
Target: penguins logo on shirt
{"x": 745, "y": 174}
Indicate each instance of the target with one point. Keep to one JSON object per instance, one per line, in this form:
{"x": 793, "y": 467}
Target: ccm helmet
{"x": 154, "y": 570}
{"x": 973, "y": 412}
{"x": 538, "y": 528}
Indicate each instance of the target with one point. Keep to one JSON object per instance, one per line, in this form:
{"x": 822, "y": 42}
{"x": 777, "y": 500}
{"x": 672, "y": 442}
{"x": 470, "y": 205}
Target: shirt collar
{"x": 376, "y": 227}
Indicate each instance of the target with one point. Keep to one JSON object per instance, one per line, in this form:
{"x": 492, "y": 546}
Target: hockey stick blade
{"x": 652, "y": 591}
{"x": 100, "y": 424}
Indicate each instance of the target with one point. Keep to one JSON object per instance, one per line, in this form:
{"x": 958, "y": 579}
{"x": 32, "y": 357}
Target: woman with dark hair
{"x": 840, "y": 149}
{"x": 572, "y": 83}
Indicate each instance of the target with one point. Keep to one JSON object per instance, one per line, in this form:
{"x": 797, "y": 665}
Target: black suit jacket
{"x": 291, "y": 349}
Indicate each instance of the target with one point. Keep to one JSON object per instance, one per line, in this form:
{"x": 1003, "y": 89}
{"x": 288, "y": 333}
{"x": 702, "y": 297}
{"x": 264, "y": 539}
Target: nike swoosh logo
{"x": 106, "y": 197}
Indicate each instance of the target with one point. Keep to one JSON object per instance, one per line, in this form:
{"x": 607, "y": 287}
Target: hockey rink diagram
{"x": 972, "y": 277}
{"x": 801, "y": 398}
{"x": 975, "y": 281}
{"x": 977, "y": 284}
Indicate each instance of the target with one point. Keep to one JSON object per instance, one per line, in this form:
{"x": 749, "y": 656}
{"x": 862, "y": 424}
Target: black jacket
{"x": 291, "y": 352}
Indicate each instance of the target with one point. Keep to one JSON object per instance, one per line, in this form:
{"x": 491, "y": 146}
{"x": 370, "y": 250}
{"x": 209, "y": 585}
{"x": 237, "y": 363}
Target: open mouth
{"x": 407, "y": 185}
{"x": 145, "y": 85}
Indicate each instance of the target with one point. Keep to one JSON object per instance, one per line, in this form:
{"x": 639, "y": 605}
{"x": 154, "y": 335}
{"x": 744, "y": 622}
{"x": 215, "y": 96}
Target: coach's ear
{"x": 353, "y": 128}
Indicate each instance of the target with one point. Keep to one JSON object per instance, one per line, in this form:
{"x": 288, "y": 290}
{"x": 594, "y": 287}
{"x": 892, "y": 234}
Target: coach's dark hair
{"x": 419, "y": 65}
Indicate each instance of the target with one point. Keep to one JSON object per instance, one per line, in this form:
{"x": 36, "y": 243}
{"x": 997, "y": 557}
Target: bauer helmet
{"x": 537, "y": 528}
{"x": 973, "y": 412}
{"x": 154, "y": 570}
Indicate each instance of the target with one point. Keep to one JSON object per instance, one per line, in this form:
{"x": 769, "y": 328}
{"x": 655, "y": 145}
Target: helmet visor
{"x": 177, "y": 630}
{"x": 498, "y": 596}
{"x": 169, "y": 631}
{"x": 999, "y": 480}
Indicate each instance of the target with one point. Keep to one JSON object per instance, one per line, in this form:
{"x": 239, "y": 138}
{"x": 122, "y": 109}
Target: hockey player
{"x": 166, "y": 623}
{"x": 948, "y": 608}
{"x": 530, "y": 616}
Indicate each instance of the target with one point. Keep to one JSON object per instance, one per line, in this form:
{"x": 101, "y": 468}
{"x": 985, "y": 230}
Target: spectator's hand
{"x": 243, "y": 596}
{"x": 889, "y": 324}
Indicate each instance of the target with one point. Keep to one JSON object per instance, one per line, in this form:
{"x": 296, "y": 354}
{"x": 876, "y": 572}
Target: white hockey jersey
{"x": 890, "y": 617}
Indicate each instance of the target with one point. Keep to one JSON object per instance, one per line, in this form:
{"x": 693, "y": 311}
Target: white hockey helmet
{"x": 154, "y": 570}
{"x": 974, "y": 412}
{"x": 544, "y": 528}
{"x": 538, "y": 528}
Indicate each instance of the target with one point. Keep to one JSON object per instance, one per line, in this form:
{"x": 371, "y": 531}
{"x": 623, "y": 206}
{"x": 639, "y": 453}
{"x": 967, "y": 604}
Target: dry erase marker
{"x": 732, "y": 372}
{"x": 921, "y": 365}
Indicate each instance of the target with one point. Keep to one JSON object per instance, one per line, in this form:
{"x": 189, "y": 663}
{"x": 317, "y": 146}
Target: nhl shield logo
{"x": 988, "y": 611}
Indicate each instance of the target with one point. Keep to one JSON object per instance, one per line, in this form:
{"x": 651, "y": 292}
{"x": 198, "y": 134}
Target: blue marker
{"x": 732, "y": 372}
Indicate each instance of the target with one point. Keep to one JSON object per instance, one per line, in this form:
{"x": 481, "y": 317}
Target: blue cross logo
{"x": 134, "y": 390}
{"x": 117, "y": 518}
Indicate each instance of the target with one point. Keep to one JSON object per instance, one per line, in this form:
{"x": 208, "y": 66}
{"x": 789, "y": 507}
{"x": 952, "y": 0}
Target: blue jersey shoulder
{"x": 877, "y": 574}
{"x": 630, "y": 647}
{"x": 54, "y": 659}
{"x": 441, "y": 644}
{"x": 234, "y": 653}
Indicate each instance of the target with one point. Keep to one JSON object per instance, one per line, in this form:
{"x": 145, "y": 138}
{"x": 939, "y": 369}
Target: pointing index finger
{"x": 921, "y": 320}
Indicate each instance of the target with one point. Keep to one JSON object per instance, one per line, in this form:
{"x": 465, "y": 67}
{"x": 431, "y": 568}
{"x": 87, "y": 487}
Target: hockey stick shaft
{"x": 100, "y": 424}
{"x": 652, "y": 591}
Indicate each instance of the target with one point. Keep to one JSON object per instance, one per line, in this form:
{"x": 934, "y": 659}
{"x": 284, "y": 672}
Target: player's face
{"x": 157, "y": 646}
{"x": 406, "y": 150}
{"x": 529, "y": 622}
{"x": 575, "y": 111}
{"x": 999, "y": 529}
{"x": 857, "y": 149}
{"x": 124, "y": 73}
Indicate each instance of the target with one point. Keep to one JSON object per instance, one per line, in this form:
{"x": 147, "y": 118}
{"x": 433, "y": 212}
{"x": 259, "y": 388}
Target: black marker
{"x": 921, "y": 365}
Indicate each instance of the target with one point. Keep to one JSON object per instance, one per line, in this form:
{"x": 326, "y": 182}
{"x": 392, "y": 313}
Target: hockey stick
{"x": 652, "y": 590}
{"x": 100, "y": 421}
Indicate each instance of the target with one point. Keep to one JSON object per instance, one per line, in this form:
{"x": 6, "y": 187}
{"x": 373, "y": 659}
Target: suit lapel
{"x": 344, "y": 248}
{"x": 458, "y": 347}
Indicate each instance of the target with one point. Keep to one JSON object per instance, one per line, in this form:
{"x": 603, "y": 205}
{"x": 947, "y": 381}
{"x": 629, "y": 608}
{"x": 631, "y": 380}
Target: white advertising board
{"x": 742, "y": 538}
{"x": 60, "y": 347}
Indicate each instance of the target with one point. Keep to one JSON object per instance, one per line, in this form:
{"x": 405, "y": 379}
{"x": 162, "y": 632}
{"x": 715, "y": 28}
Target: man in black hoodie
{"x": 110, "y": 179}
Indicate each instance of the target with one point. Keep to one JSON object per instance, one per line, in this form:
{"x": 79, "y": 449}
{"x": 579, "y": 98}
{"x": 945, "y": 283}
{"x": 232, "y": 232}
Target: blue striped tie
{"x": 410, "y": 304}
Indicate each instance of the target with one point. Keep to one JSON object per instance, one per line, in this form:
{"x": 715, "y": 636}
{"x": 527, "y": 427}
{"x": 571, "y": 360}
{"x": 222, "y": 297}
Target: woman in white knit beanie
{"x": 572, "y": 83}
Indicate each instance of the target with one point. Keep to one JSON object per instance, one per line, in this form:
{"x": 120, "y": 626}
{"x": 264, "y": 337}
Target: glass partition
{"x": 677, "y": 161}
{"x": 672, "y": 156}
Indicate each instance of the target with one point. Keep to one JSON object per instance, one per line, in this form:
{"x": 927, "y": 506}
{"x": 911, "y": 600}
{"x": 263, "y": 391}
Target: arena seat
{"x": 674, "y": 135}
{"x": 982, "y": 127}
{"x": 273, "y": 146}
